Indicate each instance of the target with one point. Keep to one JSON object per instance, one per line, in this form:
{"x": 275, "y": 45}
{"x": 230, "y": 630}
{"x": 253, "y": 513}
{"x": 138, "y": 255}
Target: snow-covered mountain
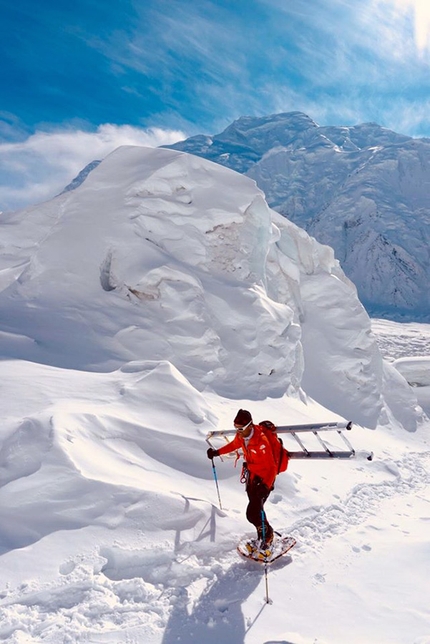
{"x": 364, "y": 190}
{"x": 161, "y": 255}
{"x": 137, "y": 313}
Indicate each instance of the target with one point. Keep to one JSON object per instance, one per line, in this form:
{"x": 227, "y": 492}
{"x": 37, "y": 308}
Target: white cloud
{"x": 39, "y": 167}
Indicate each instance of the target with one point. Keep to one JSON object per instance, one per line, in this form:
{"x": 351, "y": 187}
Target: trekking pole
{"x": 216, "y": 483}
{"x": 266, "y": 577}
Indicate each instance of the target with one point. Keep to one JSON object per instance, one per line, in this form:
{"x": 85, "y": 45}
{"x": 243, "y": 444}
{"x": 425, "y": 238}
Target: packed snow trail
{"x": 410, "y": 475}
{"x": 216, "y": 617}
{"x": 190, "y": 591}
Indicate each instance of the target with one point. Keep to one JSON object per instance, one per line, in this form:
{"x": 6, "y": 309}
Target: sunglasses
{"x": 241, "y": 429}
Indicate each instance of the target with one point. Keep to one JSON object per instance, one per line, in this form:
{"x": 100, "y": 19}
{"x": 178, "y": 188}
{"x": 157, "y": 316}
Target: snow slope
{"x": 137, "y": 314}
{"x": 362, "y": 189}
{"x": 110, "y": 530}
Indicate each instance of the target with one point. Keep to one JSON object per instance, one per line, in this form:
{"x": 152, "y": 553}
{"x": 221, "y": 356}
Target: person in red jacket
{"x": 259, "y": 471}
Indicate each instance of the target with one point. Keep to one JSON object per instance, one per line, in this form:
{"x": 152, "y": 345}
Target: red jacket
{"x": 257, "y": 453}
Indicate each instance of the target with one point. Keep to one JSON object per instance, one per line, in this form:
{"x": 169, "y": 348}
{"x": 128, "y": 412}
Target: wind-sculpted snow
{"x": 94, "y": 437}
{"x": 108, "y": 526}
{"x": 158, "y": 255}
{"x": 363, "y": 190}
{"x": 161, "y": 255}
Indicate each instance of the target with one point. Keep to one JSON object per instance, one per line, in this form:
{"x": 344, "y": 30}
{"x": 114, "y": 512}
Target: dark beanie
{"x": 243, "y": 417}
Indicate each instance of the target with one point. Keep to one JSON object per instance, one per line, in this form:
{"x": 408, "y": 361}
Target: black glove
{"x": 212, "y": 452}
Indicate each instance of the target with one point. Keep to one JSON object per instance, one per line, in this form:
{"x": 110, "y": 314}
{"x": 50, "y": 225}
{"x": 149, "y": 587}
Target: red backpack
{"x": 280, "y": 454}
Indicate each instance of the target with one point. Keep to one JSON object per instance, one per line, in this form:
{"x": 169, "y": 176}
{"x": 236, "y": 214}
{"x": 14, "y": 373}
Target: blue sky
{"x": 80, "y": 77}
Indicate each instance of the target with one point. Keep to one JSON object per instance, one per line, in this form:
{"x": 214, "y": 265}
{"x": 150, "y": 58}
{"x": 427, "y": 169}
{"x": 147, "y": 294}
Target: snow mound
{"x": 415, "y": 370}
{"x": 161, "y": 255}
{"x": 95, "y": 437}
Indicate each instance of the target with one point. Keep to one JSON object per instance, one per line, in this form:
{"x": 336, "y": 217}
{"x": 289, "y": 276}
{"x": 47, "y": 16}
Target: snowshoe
{"x": 257, "y": 549}
{"x": 252, "y": 549}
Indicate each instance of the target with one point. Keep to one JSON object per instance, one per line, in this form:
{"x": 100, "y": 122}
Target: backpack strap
{"x": 268, "y": 426}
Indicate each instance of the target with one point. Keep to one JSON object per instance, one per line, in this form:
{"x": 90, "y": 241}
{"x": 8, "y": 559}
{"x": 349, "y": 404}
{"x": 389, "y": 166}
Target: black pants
{"x": 257, "y": 494}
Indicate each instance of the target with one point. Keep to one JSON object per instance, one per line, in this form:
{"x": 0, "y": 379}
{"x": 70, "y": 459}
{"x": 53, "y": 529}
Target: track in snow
{"x": 412, "y": 473}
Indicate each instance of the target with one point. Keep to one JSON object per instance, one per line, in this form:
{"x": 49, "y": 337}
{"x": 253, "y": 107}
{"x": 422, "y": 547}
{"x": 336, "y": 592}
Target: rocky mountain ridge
{"x": 363, "y": 189}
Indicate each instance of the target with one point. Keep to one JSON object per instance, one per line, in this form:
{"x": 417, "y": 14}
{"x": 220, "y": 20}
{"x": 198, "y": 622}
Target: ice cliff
{"x": 164, "y": 256}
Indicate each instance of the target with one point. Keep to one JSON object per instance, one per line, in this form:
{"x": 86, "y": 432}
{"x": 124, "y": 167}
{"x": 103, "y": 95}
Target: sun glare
{"x": 421, "y": 11}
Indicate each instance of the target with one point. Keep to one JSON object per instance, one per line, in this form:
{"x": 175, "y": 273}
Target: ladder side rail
{"x": 212, "y": 434}
{"x": 220, "y": 432}
{"x": 320, "y": 455}
{"x": 310, "y": 427}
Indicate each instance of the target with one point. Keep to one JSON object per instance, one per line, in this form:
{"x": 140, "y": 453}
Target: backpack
{"x": 280, "y": 454}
